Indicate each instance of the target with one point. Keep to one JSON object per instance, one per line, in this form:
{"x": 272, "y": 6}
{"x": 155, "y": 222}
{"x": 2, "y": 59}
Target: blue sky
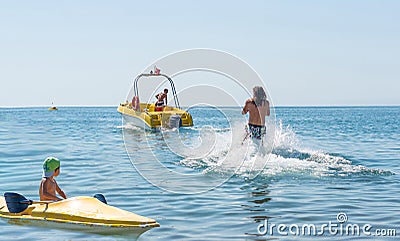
{"x": 307, "y": 52}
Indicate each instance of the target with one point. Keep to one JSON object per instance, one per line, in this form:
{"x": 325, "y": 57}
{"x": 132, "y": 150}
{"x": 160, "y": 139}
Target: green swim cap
{"x": 49, "y": 165}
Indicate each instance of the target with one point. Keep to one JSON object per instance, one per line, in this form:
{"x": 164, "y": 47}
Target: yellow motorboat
{"x": 53, "y": 108}
{"x": 152, "y": 117}
{"x": 86, "y": 214}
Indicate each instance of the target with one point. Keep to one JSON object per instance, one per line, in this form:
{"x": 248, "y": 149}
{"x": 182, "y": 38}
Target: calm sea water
{"x": 202, "y": 183}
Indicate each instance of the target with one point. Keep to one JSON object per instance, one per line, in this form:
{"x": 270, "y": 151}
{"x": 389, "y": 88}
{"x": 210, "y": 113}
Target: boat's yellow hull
{"x": 52, "y": 108}
{"x": 81, "y": 213}
{"x": 148, "y": 118}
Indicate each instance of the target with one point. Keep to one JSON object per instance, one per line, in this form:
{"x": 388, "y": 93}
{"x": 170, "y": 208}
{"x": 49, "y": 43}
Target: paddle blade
{"x": 16, "y": 203}
{"x": 100, "y": 197}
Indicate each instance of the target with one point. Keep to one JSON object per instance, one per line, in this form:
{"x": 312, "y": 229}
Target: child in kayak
{"x": 48, "y": 185}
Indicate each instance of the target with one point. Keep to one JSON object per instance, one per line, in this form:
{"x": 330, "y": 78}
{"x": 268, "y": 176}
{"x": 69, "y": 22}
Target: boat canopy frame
{"x": 136, "y": 89}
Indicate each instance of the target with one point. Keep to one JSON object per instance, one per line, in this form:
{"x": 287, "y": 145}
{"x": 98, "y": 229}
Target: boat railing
{"x": 136, "y": 89}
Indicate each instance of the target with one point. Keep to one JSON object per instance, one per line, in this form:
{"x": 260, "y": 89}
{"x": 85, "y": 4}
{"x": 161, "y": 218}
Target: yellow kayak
{"x": 81, "y": 213}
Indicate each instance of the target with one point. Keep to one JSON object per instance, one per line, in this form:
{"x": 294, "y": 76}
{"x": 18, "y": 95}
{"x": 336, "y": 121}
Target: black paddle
{"x": 100, "y": 197}
{"x": 17, "y": 203}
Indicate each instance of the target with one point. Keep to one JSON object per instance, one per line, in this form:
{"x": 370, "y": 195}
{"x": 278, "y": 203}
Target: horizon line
{"x": 222, "y": 106}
